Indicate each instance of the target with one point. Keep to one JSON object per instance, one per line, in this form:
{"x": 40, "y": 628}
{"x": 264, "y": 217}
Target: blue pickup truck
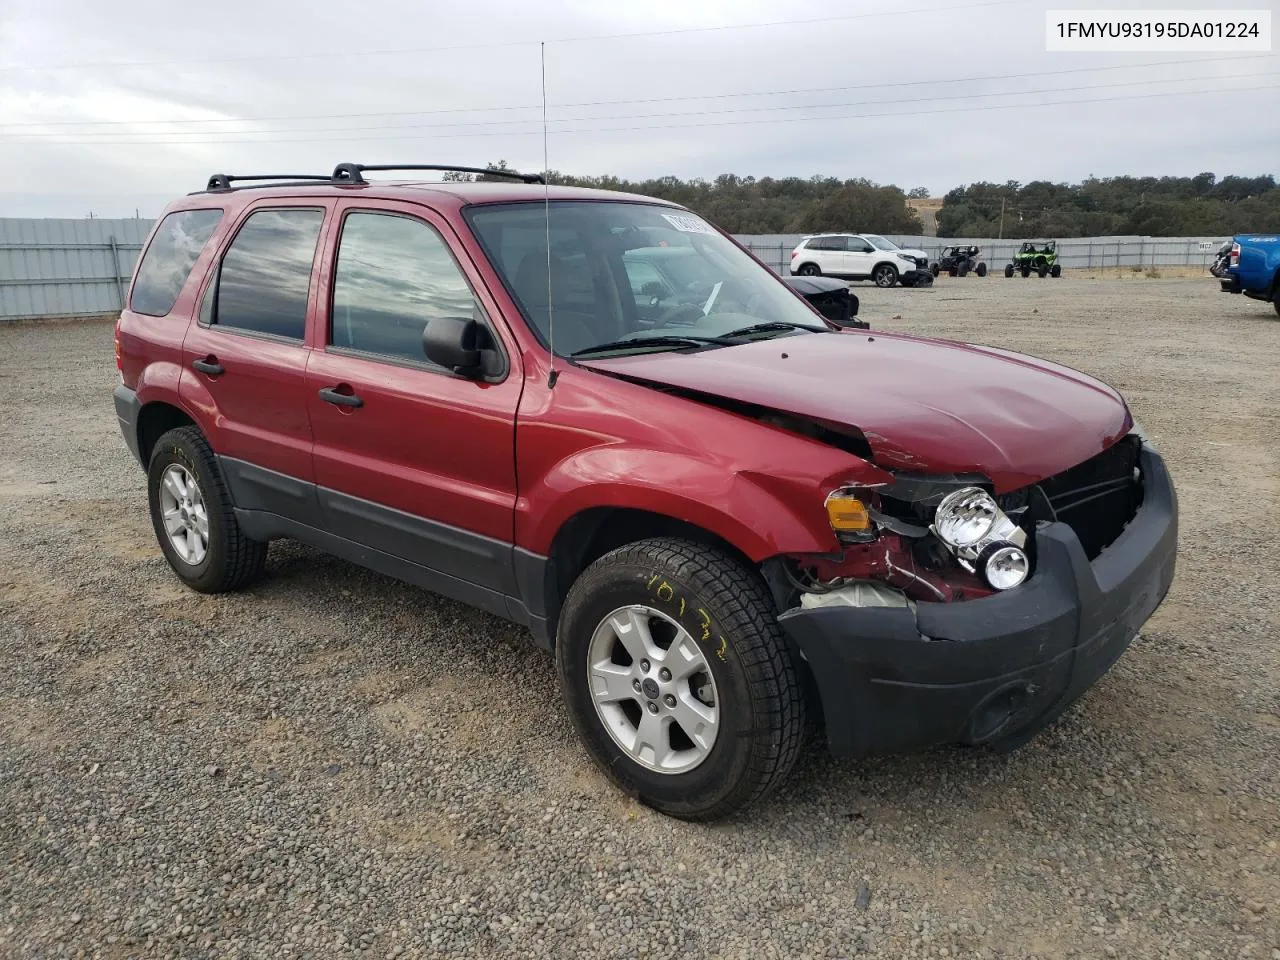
{"x": 1251, "y": 267}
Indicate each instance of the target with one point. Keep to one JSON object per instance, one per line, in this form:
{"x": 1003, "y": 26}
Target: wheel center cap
{"x": 650, "y": 688}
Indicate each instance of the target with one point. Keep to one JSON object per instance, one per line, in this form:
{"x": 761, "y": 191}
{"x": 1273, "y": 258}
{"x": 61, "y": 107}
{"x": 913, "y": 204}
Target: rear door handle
{"x": 209, "y": 365}
{"x": 331, "y": 395}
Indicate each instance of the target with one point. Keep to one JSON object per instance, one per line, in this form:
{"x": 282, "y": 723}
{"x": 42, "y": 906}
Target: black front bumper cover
{"x": 994, "y": 670}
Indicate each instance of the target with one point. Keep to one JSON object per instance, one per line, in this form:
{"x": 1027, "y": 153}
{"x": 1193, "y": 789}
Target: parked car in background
{"x": 597, "y": 416}
{"x": 860, "y": 256}
{"x": 1253, "y": 268}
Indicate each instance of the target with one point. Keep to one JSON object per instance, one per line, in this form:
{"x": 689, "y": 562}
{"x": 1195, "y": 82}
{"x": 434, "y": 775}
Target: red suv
{"x": 596, "y": 415}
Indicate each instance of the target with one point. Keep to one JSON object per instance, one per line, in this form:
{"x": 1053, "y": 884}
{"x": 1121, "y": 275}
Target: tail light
{"x": 795, "y": 253}
{"x": 1235, "y": 254}
{"x": 119, "y": 354}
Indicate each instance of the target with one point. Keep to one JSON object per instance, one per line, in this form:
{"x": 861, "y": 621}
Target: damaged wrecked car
{"x": 731, "y": 520}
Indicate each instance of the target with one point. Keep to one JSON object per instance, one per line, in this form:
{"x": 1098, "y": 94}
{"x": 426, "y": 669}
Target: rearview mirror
{"x": 457, "y": 344}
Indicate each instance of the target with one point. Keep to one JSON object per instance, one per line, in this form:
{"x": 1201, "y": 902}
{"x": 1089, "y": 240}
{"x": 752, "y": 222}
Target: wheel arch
{"x": 155, "y": 419}
{"x": 591, "y": 533}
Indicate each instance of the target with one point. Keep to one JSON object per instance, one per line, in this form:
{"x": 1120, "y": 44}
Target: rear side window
{"x": 266, "y": 273}
{"x": 170, "y": 256}
{"x": 394, "y": 275}
{"x": 828, "y": 243}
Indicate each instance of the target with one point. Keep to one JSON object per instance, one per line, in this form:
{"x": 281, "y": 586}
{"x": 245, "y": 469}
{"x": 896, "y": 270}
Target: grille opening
{"x": 1099, "y": 497}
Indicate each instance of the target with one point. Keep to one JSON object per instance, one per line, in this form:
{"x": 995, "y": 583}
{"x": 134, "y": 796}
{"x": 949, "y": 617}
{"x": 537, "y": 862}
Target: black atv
{"x": 959, "y": 262}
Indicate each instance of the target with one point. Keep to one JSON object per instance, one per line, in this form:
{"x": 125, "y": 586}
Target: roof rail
{"x": 353, "y": 172}
{"x": 223, "y": 181}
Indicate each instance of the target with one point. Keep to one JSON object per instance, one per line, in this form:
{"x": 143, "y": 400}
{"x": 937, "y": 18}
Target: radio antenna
{"x": 552, "y": 375}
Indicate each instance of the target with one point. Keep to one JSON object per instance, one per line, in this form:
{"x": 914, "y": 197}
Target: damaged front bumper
{"x": 997, "y": 669}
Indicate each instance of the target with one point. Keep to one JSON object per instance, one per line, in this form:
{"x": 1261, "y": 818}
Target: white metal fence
{"x": 67, "y": 268}
{"x": 1083, "y": 253}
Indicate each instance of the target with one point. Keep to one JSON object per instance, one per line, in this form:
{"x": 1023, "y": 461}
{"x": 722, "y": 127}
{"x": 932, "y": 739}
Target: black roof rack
{"x": 347, "y": 174}
{"x": 223, "y": 181}
{"x": 353, "y": 172}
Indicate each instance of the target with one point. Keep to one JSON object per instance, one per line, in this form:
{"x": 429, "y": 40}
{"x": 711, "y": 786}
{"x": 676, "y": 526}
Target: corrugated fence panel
{"x": 66, "y": 268}
{"x": 1080, "y": 253}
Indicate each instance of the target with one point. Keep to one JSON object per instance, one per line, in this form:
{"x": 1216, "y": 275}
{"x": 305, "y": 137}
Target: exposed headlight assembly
{"x": 983, "y": 537}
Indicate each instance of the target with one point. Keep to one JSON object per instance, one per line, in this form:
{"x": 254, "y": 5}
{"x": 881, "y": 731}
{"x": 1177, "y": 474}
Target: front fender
{"x": 760, "y": 515}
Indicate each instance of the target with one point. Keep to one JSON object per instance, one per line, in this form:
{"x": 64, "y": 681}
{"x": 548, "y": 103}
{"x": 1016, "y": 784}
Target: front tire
{"x": 1043, "y": 271}
{"x": 935, "y": 269}
{"x": 193, "y": 518}
{"x": 885, "y": 275}
{"x": 1026, "y": 272}
{"x": 678, "y": 679}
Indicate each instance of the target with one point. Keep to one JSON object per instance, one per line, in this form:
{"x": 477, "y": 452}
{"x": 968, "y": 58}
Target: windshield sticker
{"x": 687, "y": 224}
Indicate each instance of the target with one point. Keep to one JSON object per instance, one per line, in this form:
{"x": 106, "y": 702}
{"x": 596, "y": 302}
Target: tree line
{"x": 1151, "y": 206}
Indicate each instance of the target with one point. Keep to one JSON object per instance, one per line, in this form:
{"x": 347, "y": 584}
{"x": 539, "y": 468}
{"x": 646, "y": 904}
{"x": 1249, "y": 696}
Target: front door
{"x": 410, "y": 458}
{"x": 862, "y": 257}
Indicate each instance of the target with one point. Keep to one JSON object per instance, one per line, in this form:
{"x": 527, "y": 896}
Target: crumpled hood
{"x": 925, "y": 406}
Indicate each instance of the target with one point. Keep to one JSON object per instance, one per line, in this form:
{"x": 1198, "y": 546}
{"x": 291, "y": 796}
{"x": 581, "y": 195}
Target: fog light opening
{"x": 1004, "y": 566}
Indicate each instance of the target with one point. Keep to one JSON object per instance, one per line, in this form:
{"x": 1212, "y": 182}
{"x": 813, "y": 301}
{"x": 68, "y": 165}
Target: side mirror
{"x": 457, "y": 344}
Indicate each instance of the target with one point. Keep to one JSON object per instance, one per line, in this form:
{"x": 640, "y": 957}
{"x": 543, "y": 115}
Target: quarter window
{"x": 172, "y": 253}
{"x": 394, "y": 275}
{"x": 266, "y": 274}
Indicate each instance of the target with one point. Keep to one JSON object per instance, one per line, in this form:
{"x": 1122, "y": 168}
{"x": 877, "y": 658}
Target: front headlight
{"x": 983, "y": 537}
{"x": 907, "y": 257}
{"x": 965, "y": 517}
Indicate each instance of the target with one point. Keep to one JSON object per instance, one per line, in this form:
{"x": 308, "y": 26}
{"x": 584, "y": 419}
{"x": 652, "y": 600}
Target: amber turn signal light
{"x": 847, "y": 513}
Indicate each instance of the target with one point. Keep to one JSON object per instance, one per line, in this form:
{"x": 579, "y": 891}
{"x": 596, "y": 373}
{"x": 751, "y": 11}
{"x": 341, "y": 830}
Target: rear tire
{"x": 721, "y": 615}
{"x": 809, "y": 270}
{"x": 193, "y": 518}
{"x": 981, "y": 270}
{"x": 1008, "y": 270}
{"x": 1055, "y": 270}
{"x": 1026, "y": 272}
{"x": 953, "y": 271}
{"x": 935, "y": 269}
{"x": 1276, "y": 303}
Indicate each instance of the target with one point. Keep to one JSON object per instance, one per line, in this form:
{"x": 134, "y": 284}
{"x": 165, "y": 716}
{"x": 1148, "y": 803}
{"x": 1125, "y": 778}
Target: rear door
{"x": 832, "y": 258}
{"x": 245, "y": 359}
{"x": 411, "y": 459}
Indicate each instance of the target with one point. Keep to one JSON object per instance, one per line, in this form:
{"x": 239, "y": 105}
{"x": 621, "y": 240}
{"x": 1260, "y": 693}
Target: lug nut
{"x": 635, "y": 685}
{"x": 653, "y": 707}
{"x": 644, "y": 665}
{"x": 669, "y": 700}
{"x": 664, "y": 674}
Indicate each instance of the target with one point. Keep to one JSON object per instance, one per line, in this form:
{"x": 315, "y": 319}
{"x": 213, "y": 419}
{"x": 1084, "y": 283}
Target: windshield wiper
{"x": 766, "y": 327}
{"x": 629, "y": 342}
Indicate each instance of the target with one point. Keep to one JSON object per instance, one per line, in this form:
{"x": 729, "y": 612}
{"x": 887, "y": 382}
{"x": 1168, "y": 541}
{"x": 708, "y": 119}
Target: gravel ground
{"x": 333, "y": 762}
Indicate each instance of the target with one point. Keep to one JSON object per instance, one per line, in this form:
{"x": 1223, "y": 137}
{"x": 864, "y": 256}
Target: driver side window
{"x": 858, "y": 245}
{"x": 394, "y": 275}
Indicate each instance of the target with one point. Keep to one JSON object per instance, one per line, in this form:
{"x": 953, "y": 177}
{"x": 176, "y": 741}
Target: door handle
{"x": 209, "y": 365}
{"x": 331, "y": 395}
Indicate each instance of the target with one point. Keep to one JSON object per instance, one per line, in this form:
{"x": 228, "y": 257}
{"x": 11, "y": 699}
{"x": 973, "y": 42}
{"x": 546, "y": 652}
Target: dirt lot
{"x": 334, "y": 762}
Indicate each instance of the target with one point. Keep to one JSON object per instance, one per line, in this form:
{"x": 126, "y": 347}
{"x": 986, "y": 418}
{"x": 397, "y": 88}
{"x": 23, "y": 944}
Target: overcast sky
{"x": 110, "y": 107}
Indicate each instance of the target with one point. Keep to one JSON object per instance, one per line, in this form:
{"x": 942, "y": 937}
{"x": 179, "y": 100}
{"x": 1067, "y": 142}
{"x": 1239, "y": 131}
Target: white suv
{"x": 860, "y": 256}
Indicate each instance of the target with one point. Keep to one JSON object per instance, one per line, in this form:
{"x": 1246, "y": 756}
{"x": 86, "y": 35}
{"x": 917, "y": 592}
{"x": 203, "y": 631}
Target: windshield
{"x": 629, "y": 270}
{"x": 880, "y": 243}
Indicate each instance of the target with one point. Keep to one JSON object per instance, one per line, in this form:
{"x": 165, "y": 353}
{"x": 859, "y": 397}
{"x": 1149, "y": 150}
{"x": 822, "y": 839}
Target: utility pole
{"x": 1000, "y": 235}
